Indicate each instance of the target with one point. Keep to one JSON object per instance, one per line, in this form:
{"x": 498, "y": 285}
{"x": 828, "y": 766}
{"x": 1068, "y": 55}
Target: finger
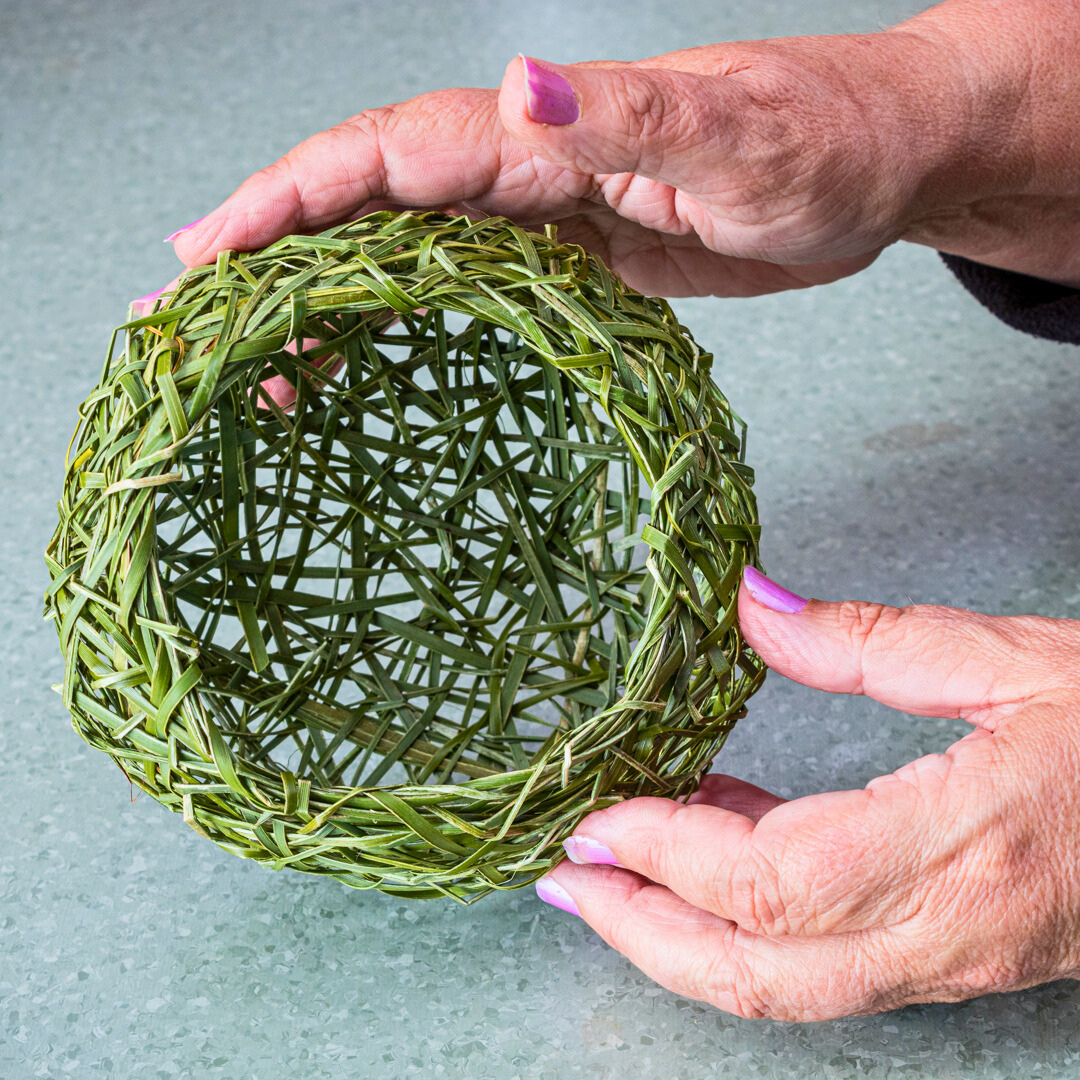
{"x": 671, "y": 264}
{"x": 835, "y": 862}
{"x": 716, "y": 789}
{"x": 703, "y": 956}
{"x": 441, "y": 148}
{"x": 933, "y": 661}
{"x": 730, "y": 793}
{"x": 684, "y": 153}
{"x": 812, "y": 866}
{"x": 143, "y": 305}
{"x": 279, "y": 390}
{"x": 652, "y": 122}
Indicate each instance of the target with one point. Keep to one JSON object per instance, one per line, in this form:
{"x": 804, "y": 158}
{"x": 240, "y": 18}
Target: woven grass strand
{"x": 397, "y": 631}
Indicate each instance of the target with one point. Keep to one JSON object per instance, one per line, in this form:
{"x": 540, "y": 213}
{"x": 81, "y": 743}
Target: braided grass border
{"x": 166, "y": 427}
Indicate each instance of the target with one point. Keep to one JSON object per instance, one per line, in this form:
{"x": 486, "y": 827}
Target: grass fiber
{"x": 387, "y": 554}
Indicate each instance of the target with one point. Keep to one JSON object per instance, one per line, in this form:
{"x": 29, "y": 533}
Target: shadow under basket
{"x": 389, "y": 553}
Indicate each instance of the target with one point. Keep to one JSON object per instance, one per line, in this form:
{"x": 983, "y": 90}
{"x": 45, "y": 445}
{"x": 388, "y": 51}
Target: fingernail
{"x": 772, "y": 595}
{"x": 191, "y": 225}
{"x": 551, "y": 892}
{"x": 549, "y": 98}
{"x": 584, "y": 850}
{"x": 148, "y": 299}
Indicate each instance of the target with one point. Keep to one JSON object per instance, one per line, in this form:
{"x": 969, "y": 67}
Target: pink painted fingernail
{"x": 585, "y": 851}
{"x": 191, "y": 225}
{"x": 549, "y": 98}
{"x": 551, "y": 892}
{"x": 143, "y": 304}
{"x": 772, "y": 595}
{"x": 150, "y": 297}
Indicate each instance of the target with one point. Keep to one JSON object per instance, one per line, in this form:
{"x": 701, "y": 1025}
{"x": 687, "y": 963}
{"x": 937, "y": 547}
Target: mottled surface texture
{"x": 907, "y": 446}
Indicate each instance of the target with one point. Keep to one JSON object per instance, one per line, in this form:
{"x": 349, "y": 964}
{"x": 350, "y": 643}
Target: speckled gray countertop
{"x": 907, "y": 447}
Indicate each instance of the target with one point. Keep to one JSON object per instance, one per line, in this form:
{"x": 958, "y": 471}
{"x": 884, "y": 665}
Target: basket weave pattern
{"x": 394, "y": 625}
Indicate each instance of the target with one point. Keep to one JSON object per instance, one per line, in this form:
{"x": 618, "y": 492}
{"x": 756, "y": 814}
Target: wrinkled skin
{"x": 753, "y": 167}
{"x": 957, "y": 875}
{"x": 738, "y": 168}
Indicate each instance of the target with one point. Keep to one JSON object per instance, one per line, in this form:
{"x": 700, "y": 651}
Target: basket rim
{"x": 610, "y": 381}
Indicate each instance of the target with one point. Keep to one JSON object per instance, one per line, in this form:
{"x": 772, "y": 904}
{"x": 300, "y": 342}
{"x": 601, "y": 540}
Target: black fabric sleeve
{"x": 1038, "y": 307}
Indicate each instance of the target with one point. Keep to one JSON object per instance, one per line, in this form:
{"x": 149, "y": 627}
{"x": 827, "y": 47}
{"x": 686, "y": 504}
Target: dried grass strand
{"x": 393, "y": 627}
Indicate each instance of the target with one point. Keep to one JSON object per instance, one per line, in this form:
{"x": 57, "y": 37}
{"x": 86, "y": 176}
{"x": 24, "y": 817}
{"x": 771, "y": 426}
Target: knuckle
{"x": 274, "y": 175}
{"x": 867, "y": 624}
{"x": 871, "y": 630}
{"x": 371, "y": 125}
{"x": 782, "y": 141}
{"x": 664, "y": 833}
{"x": 764, "y": 898}
{"x": 643, "y": 107}
{"x": 317, "y": 170}
{"x": 666, "y": 113}
{"x": 749, "y": 1006}
{"x": 368, "y": 127}
{"x": 816, "y": 883}
{"x": 734, "y": 987}
{"x": 775, "y": 82}
{"x": 921, "y": 782}
{"x": 755, "y": 896}
{"x": 831, "y": 981}
{"x": 985, "y": 977}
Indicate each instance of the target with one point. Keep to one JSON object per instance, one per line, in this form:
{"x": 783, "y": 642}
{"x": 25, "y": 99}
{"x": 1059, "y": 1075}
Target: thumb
{"x": 613, "y": 119}
{"x": 927, "y": 660}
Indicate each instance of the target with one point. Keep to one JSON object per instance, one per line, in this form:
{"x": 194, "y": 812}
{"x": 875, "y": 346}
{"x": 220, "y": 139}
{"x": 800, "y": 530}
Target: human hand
{"x": 730, "y": 169}
{"x": 955, "y": 876}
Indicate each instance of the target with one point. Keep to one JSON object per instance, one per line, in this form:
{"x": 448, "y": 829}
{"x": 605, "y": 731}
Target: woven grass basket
{"x": 350, "y": 562}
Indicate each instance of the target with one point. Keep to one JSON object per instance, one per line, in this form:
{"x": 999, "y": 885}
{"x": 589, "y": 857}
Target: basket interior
{"x": 415, "y": 572}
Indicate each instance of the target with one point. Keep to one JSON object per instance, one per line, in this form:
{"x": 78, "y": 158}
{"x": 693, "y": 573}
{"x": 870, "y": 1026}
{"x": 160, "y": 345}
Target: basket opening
{"x": 415, "y": 575}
